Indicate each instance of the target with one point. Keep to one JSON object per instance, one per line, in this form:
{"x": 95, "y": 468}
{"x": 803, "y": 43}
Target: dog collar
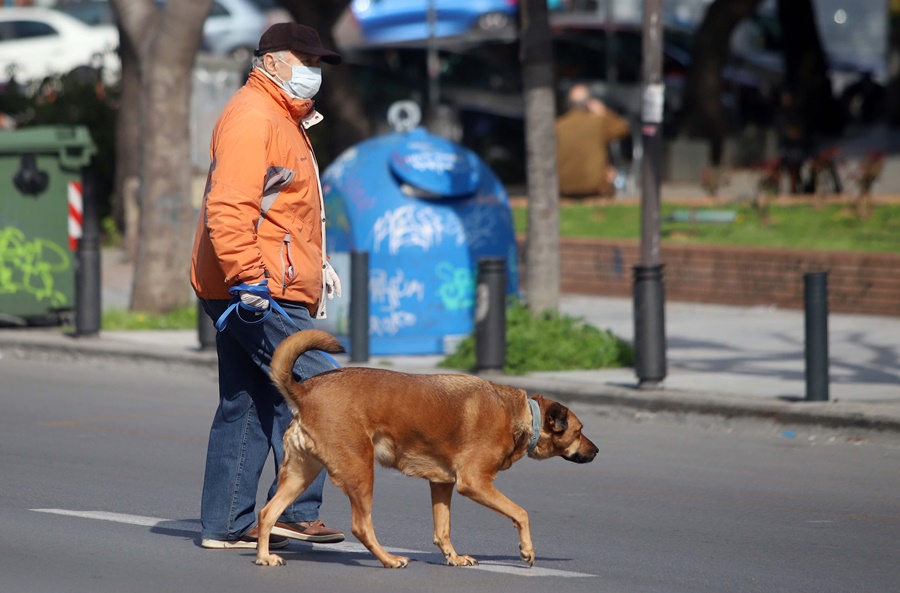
{"x": 535, "y": 424}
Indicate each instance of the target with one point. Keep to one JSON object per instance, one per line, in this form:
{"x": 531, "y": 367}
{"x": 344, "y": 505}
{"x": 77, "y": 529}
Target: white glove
{"x": 332, "y": 282}
{"x": 253, "y": 300}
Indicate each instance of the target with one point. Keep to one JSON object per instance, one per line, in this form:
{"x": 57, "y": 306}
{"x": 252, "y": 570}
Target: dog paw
{"x": 270, "y": 560}
{"x": 461, "y": 561}
{"x": 396, "y": 562}
{"x": 527, "y": 555}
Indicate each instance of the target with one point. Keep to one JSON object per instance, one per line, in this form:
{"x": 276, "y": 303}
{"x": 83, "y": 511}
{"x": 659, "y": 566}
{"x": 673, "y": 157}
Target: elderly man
{"x": 260, "y": 269}
{"x": 583, "y": 134}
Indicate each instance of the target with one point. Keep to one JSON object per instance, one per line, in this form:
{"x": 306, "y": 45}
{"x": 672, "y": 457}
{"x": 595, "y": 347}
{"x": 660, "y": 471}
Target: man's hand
{"x": 332, "y": 282}
{"x": 596, "y": 106}
{"x": 252, "y": 300}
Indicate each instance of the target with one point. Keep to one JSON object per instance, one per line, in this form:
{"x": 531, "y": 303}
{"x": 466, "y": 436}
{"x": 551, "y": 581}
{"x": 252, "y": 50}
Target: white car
{"x": 37, "y": 42}
{"x": 231, "y": 30}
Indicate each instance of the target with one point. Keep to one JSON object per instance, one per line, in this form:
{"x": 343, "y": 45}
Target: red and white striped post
{"x": 76, "y": 213}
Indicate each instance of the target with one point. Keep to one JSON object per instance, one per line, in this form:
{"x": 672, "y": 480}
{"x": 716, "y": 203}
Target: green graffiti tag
{"x": 29, "y": 266}
{"x": 457, "y": 291}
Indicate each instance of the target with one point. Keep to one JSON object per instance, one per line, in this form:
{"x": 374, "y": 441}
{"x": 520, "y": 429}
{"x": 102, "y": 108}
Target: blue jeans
{"x": 250, "y": 421}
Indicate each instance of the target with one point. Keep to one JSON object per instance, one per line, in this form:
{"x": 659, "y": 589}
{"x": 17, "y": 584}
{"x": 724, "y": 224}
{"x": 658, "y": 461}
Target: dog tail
{"x": 290, "y": 350}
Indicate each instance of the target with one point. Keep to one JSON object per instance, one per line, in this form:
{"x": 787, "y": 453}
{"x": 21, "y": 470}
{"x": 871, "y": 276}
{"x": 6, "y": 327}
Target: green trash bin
{"x": 40, "y": 210}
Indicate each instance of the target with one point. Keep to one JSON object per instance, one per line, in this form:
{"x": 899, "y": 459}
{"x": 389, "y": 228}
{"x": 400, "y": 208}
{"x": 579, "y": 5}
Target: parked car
{"x": 586, "y": 51}
{"x": 393, "y": 21}
{"x": 89, "y": 12}
{"x": 233, "y": 27}
{"x": 36, "y": 43}
{"x": 854, "y": 38}
{"x": 231, "y": 30}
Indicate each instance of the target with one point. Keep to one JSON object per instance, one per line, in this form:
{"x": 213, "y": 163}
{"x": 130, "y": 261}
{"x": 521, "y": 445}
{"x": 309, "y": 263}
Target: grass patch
{"x": 548, "y": 342}
{"x": 118, "y": 319}
{"x": 832, "y": 227}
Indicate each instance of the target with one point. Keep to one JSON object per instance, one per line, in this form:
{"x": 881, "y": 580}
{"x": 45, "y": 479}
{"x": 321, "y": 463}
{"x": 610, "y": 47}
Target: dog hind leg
{"x": 296, "y": 474}
{"x": 441, "y": 493}
{"x": 481, "y": 489}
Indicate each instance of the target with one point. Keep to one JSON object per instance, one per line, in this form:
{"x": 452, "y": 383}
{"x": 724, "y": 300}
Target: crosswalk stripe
{"x": 350, "y": 547}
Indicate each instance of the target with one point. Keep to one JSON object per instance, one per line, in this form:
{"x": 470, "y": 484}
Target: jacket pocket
{"x": 287, "y": 262}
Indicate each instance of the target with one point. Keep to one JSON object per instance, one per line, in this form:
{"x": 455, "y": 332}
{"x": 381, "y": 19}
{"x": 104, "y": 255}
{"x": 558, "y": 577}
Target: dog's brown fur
{"x": 448, "y": 429}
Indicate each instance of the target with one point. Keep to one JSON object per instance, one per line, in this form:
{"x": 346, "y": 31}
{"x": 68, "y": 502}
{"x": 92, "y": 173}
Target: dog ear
{"x": 557, "y": 417}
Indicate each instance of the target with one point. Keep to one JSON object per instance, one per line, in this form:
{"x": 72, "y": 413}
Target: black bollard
{"x": 359, "y": 306}
{"x": 88, "y": 292}
{"x": 490, "y": 314}
{"x": 815, "y": 299}
{"x": 206, "y": 329}
{"x": 649, "y": 326}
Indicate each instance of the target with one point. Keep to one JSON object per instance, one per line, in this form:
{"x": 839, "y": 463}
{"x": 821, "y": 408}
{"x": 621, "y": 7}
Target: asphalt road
{"x": 101, "y": 466}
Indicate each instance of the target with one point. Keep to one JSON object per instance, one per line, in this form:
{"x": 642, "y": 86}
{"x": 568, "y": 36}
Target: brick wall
{"x": 857, "y": 282}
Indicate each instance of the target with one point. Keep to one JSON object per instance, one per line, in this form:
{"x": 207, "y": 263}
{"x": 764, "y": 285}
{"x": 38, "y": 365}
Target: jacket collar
{"x": 301, "y": 111}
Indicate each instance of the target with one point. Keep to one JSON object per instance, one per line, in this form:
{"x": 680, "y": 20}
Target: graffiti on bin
{"x": 413, "y": 226}
{"x": 430, "y": 159}
{"x": 29, "y": 266}
{"x": 457, "y": 288}
{"x": 391, "y": 324}
{"x": 482, "y": 224}
{"x": 388, "y": 294}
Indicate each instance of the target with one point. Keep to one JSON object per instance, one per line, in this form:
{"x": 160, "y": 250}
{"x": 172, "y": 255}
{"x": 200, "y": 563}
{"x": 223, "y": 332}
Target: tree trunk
{"x": 704, "y": 116}
{"x": 893, "y": 60}
{"x": 542, "y": 246}
{"x": 128, "y": 134}
{"x": 339, "y": 94}
{"x": 166, "y": 54}
{"x": 806, "y": 69}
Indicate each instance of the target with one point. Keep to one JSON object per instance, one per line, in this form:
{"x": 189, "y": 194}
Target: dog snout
{"x": 585, "y": 453}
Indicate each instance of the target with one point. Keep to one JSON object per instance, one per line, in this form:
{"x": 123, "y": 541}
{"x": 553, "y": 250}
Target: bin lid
{"x": 436, "y": 166}
{"x": 73, "y": 144}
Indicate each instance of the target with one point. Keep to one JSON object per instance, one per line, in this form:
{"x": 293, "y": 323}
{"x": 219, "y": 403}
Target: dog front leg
{"x": 441, "y": 493}
{"x": 481, "y": 489}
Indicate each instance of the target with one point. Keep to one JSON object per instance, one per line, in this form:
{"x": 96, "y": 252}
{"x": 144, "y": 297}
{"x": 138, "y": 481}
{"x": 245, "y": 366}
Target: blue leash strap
{"x": 260, "y": 290}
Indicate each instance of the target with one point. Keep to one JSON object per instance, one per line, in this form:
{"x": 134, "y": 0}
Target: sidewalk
{"x": 722, "y": 360}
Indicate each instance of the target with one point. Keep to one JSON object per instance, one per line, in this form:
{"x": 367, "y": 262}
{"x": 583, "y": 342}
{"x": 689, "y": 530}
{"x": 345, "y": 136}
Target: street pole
{"x": 432, "y": 61}
{"x": 88, "y": 293}
{"x": 815, "y": 305}
{"x": 648, "y": 289}
{"x": 490, "y": 315}
{"x": 359, "y": 306}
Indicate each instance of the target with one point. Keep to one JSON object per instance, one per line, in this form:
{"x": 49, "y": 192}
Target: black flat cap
{"x": 295, "y": 37}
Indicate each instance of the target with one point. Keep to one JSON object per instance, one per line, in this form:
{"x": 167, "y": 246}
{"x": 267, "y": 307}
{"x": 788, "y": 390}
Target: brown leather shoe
{"x": 308, "y": 531}
{"x": 245, "y": 542}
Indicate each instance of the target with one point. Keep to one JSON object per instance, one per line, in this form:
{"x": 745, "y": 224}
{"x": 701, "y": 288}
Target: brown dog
{"x": 448, "y": 429}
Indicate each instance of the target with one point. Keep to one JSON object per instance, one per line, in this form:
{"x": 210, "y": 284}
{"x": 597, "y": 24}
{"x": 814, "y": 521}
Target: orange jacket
{"x": 262, "y": 214}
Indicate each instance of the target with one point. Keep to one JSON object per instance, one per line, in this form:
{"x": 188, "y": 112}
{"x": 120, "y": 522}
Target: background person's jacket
{"x": 262, "y": 215}
{"x": 582, "y": 155}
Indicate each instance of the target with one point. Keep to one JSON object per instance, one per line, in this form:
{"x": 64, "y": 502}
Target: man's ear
{"x": 556, "y": 418}
{"x": 269, "y": 64}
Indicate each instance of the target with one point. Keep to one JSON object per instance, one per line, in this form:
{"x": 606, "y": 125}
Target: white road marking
{"x": 350, "y": 547}
{"x": 127, "y": 519}
{"x": 521, "y": 570}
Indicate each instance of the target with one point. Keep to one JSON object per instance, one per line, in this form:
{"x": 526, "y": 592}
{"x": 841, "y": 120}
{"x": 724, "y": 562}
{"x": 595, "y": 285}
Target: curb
{"x": 825, "y": 414}
{"x": 71, "y": 347}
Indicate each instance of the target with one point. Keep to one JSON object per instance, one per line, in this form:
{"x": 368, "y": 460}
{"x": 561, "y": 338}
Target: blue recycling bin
{"x": 425, "y": 209}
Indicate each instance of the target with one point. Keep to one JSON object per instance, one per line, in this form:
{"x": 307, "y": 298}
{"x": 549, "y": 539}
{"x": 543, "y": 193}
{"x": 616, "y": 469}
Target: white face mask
{"x": 304, "y": 82}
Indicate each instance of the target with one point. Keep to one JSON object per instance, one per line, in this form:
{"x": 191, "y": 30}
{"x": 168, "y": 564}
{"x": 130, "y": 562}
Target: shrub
{"x": 549, "y": 341}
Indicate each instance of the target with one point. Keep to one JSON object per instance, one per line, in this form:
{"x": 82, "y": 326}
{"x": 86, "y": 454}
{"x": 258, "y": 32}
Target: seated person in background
{"x": 582, "y": 137}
